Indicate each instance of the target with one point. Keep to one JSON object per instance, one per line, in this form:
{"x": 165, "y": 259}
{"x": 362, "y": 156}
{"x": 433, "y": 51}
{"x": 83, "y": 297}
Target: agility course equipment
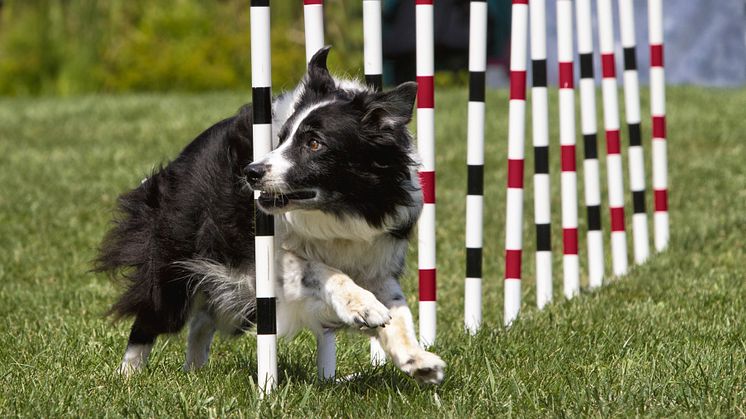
{"x": 261, "y": 92}
{"x": 587, "y": 85}
{"x": 426, "y": 148}
{"x": 475, "y": 165}
{"x": 522, "y": 12}
{"x": 373, "y": 68}
{"x": 636, "y": 170}
{"x": 373, "y": 44}
{"x": 313, "y": 21}
{"x": 658, "y": 111}
{"x": 613, "y": 144}
{"x": 568, "y": 176}
{"x": 516, "y": 139}
{"x": 540, "y": 137}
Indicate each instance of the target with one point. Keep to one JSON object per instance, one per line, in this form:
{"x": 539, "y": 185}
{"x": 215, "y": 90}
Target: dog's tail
{"x": 128, "y": 253}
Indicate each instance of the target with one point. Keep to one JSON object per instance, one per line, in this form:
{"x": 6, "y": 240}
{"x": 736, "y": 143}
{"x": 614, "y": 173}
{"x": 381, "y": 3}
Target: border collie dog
{"x": 342, "y": 185}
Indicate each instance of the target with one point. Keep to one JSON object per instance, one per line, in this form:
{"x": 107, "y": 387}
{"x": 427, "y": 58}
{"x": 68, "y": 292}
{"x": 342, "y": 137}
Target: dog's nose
{"x": 254, "y": 172}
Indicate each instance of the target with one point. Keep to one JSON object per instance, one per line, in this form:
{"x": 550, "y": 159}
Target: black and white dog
{"x": 343, "y": 187}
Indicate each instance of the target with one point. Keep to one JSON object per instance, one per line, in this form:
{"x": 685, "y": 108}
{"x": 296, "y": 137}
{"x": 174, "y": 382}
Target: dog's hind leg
{"x": 201, "y": 331}
{"x": 398, "y": 338}
{"x": 139, "y": 345}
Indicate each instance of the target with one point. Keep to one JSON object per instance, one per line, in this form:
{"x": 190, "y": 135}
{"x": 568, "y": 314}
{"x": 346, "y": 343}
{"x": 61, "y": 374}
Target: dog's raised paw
{"x": 426, "y": 368}
{"x": 362, "y": 310}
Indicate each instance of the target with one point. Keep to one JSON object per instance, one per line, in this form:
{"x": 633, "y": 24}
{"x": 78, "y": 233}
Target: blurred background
{"x": 70, "y": 47}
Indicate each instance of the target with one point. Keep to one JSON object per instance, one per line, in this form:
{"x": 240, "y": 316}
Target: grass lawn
{"x": 667, "y": 339}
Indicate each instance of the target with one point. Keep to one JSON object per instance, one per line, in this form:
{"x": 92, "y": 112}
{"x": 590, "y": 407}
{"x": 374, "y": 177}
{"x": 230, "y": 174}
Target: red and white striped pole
{"x": 569, "y": 177}
{"x": 613, "y": 146}
{"x": 313, "y": 18}
{"x": 261, "y": 86}
{"x": 590, "y": 146}
{"x": 475, "y": 165}
{"x": 540, "y": 125}
{"x": 373, "y": 67}
{"x": 640, "y": 235}
{"x": 516, "y": 140}
{"x": 658, "y": 111}
{"x": 426, "y": 148}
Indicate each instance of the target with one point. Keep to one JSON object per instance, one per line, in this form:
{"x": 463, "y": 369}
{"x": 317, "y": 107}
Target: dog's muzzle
{"x": 255, "y": 172}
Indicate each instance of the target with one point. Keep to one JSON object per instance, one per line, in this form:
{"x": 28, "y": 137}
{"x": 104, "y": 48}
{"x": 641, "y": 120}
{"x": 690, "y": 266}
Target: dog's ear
{"x": 392, "y": 109}
{"x": 318, "y": 78}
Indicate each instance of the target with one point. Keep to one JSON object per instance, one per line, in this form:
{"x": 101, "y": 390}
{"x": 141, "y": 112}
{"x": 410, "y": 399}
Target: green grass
{"x": 667, "y": 339}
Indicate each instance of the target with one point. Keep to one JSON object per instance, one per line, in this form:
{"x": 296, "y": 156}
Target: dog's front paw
{"x": 425, "y": 367}
{"x": 361, "y": 309}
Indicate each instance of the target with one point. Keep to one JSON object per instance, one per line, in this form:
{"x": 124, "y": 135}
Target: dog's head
{"x": 344, "y": 150}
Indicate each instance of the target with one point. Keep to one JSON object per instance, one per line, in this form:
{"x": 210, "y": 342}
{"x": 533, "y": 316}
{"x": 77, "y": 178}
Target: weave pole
{"x": 426, "y": 148}
{"x": 475, "y": 165}
{"x": 640, "y": 236}
{"x": 590, "y": 143}
{"x": 313, "y": 20}
{"x": 658, "y": 111}
{"x": 569, "y": 177}
{"x": 540, "y": 125}
{"x": 613, "y": 146}
{"x": 261, "y": 86}
{"x": 373, "y": 44}
{"x": 516, "y": 140}
{"x": 373, "y": 67}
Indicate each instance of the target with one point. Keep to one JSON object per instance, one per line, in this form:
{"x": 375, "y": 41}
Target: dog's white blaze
{"x": 278, "y": 162}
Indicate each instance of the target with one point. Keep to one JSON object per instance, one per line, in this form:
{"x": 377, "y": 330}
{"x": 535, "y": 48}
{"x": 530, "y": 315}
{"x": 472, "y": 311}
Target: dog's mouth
{"x": 281, "y": 200}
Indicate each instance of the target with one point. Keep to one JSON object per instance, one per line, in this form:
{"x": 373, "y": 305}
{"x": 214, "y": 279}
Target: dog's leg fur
{"x": 399, "y": 341}
{"x": 201, "y": 331}
{"x": 343, "y": 300}
{"x": 139, "y": 345}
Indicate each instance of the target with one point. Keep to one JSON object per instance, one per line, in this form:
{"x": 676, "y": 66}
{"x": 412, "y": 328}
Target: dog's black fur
{"x": 195, "y": 207}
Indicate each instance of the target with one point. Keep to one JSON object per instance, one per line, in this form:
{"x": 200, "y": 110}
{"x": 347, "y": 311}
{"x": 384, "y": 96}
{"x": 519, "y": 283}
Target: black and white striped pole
{"x": 589, "y": 129}
{"x": 261, "y": 86}
{"x": 540, "y": 125}
{"x": 640, "y": 235}
{"x": 475, "y": 165}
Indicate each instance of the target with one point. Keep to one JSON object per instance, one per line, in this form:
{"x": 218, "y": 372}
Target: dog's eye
{"x": 314, "y": 145}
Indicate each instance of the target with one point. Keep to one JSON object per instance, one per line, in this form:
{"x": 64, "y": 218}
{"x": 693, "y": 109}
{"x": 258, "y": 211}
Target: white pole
{"x": 261, "y": 84}
{"x": 373, "y": 67}
{"x": 516, "y": 140}
{"x": 590, "y": 144}
{"x": 313, "y": 19}
{"x": 540, "y": 125}
{"x": 475, "y": 165}
{"x": 640, "y": 234}
{"x": 658, "y": 111}
{"x": 569, "y": 177}
{"x": 426, "y": 148}
{"x": 613, "y": 146}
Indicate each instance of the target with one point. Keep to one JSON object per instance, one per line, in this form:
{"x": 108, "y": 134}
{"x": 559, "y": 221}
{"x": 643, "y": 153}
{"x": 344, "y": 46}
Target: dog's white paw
{"x": 128, "y": 369}
{"x": 425, "y": 367}
{"x": 135, "y": 359}
{"x": 361, "y": 309}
